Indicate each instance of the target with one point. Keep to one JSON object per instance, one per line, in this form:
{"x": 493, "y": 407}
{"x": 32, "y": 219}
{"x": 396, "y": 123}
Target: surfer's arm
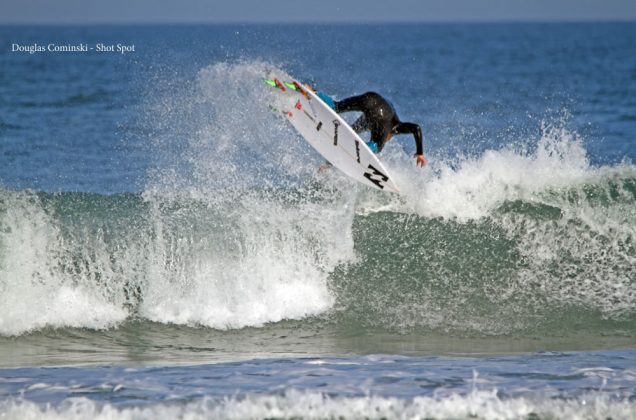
{"x": 416, "y": 131}
{"x": 354, "y": 103}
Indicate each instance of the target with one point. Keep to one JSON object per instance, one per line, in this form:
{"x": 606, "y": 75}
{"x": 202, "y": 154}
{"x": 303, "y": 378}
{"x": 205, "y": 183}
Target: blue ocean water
{"x": 169, "y": 249}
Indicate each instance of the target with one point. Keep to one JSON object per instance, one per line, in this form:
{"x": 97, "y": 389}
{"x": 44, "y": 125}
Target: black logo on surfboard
{"x": 336, "y": 124}
{"x": 376, "y": 176}
{"x": 309, "y": 115}
{"x": 358, "y": 151}
{"x": 319, "y": 126}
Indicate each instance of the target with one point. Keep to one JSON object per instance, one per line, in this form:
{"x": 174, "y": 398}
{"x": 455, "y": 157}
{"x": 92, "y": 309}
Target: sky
{"x": 222, "y": 11}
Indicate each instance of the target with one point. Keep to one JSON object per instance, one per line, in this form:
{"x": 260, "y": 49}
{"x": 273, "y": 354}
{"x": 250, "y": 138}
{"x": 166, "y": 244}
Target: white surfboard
{"x": 331, "y": 136}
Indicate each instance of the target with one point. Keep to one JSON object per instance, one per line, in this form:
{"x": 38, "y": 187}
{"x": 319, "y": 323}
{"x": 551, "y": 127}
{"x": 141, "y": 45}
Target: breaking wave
{"x": 235, "y": 228}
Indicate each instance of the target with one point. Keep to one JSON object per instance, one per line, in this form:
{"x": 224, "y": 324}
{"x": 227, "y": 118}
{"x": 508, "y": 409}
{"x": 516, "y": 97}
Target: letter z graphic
{"x": 376, "y": 177}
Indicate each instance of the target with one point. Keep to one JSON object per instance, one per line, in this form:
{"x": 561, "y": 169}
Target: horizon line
{"x": 319, "y": 22}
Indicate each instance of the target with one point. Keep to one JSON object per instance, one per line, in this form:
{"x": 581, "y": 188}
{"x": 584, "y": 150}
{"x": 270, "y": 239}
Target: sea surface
{"x": 169, "y": 249}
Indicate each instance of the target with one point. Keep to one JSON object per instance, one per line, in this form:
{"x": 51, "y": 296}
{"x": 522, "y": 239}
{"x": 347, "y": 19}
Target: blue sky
{"x": 155, "y": 11}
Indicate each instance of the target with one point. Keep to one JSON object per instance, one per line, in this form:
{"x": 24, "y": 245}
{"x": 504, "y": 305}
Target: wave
{"x": 521, "y": 240}
{"x": 296, "y": 404}
{"x": 539, "y": 238}
{"x": 85, "y": 260}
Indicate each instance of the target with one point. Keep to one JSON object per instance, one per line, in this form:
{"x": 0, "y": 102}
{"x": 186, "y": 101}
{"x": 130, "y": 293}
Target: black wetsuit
{"x": 380, "y": 118}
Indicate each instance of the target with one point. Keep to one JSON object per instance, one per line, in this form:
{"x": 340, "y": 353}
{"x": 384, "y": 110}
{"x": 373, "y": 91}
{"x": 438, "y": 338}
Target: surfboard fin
{"x": 275, "y": 83}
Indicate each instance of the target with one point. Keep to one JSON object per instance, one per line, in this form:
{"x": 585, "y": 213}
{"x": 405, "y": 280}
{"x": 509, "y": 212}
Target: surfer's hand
{"x": 420, "y": 160}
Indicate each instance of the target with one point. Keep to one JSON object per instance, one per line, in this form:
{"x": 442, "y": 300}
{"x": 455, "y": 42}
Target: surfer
{"x": 378, "y": 117}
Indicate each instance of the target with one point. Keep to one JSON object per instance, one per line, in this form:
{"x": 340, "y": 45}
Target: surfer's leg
{"x": 327, "y": 99}
{"x": 379, "y": 137}
{"x": 373, "y": 146}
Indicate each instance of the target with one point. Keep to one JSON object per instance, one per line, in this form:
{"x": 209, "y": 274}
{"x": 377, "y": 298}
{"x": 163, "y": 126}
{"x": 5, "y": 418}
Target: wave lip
{"x": 474, "y": 187}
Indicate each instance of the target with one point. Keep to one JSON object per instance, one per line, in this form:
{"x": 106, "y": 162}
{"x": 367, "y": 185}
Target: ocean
{"x": 169, "y": 249}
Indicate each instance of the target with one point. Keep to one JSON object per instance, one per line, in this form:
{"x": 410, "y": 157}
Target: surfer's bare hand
{"x": 420, "y": 160}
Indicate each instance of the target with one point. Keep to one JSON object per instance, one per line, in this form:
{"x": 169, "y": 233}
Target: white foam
{"x": 475, "y": 186}
{"x": 278, "y": 270}
{"x": 275, "y": 262}
{"x": 35, "y": 291}
{"x": 295, "y": 404}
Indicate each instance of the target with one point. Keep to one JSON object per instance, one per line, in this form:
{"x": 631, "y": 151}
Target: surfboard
{"x": 330, "y": 135}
